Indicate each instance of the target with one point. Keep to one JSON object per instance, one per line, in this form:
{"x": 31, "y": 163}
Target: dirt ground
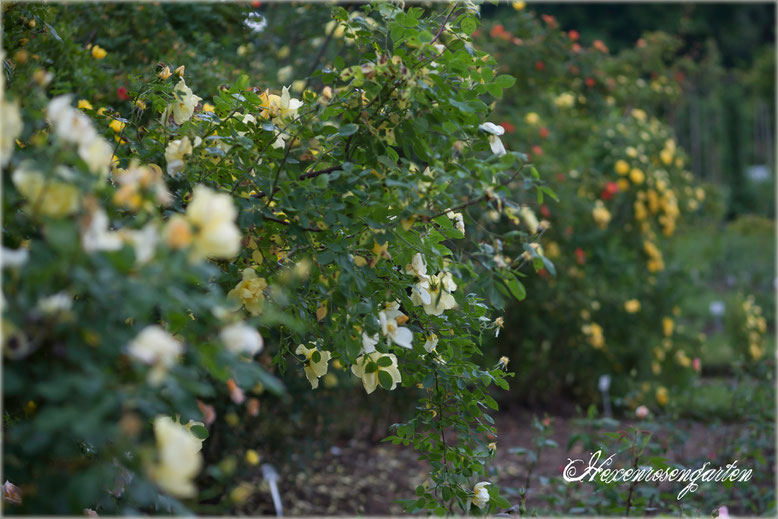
{"x": 367, "y": 477}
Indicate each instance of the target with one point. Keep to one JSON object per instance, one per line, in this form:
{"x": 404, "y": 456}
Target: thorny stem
{"x": 632, "y": 486}
{"x": 440, "y": 424}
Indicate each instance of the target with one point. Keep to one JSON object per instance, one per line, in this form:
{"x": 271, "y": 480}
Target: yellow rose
{"x": 116, "y": 125}
{"x": 212, "y": 215}
{"x": 632, "y": 306}
{"x": 249, "y": 292}
{"x": 621, "y": 167}
{"x": 45, "y": 196}
{"x": 667, "y": 326}
{"x": 315, "y": 363}
{"x": 637, "y": 176}
{"x": 179, "y": 458}
{"x": 601, "y": 215}
{"x": 666, "y": 156}
{"x": 98, "y": 52}
{"x": 369, "y": 367}
{"x": 532, "y": 117}
{"x": 662, "y": 396}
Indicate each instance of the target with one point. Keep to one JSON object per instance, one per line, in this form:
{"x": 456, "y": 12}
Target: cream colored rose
{"x": 250, "y": 292}
{"x": 185, "y": 102}
{"x": 315, "y": 363}
{"x": 179, "y": 459}
{"x": 156, "y": 347}
{"x": 369, "y": 367}
{"x": 242, "y": 338}
{"x": 175, "y": 155}
{"x": 11, "y": 127}
{"x": 212, "y": 215}
{"x": 47, "y": 196}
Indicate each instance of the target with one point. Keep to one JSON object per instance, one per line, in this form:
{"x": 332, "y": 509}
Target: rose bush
{"x": 593, "y": 121}
{"x": 176, "y": 257}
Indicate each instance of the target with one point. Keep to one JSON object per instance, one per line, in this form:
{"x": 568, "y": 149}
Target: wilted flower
{"x": 315, "y": 363}
{"x": 377, "y": 368}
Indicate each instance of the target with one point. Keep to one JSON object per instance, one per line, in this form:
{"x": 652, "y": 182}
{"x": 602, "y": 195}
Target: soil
{"x": 366, "y": 477}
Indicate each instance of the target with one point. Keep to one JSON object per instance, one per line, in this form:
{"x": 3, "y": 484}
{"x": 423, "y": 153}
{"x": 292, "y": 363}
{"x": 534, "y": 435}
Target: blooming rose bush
{"x": 593, "y": 121}
{"x": 177, "y": 256}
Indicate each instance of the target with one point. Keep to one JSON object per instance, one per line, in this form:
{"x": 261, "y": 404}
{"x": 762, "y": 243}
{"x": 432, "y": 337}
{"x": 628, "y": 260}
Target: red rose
{"x": 537, "y": 150}
{"x": 590, "y": 82}
{"x": 573, "y": 35}
{"x": 543, "y": 133}
{"x": 509, "y": 128}
{"x": 539, "y": 65}
{"x": 544, "y": 211}
{"x": 550, "y": 20}
{"x": 611, "y": 188}
{"x": 121, "y": 92}
{"x": 580, "y": 256}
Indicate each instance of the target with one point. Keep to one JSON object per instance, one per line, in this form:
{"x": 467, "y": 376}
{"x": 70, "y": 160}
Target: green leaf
{"x": 516, "y": 288}
{"x": 200, "y": 432}
{"x": 385, "y": 362}
{"x": 348, "y": 129}
{"x": 385, "y": 379}
{"x": 505, "y": 81}
{"x": 468, "y": 25}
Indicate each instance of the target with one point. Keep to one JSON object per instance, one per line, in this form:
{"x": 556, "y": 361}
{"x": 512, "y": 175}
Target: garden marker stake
{"x": 604, "y": 385}
{"x": 271, "y": 476}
